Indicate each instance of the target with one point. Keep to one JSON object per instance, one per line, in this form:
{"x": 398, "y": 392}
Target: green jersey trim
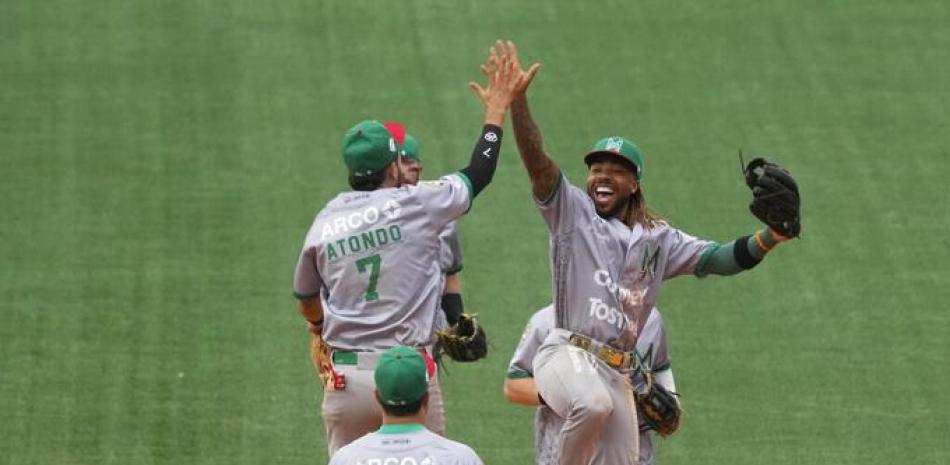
{"x": 401, "y": 429}
{"x": 700, "y": 271}
{"x": 468, "y": 184}
{"x": 520, "y": 374}
{"x": 664, "y": 367}
{"x": 305, "y": 296}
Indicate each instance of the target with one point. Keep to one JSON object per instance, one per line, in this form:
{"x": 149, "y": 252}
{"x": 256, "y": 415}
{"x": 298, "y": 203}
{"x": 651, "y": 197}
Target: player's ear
{"x": 424, "y": 401}
{"x": 394, "y": 173}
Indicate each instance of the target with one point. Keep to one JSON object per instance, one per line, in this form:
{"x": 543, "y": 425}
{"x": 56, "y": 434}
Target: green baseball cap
{"x": 368, "y": 147}
{"x": 410, "y": 148}
{"x": 620, "y": 147}
{"x": 401, "y": 376}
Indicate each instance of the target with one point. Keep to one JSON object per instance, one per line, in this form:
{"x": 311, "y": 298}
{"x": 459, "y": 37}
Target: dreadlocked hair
{"x": 639, "y": 212}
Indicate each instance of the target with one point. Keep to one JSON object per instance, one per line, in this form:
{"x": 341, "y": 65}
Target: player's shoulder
{"x": 447, "y": 450}
{"x": 461, "y": 453}
{"x": 453, "y": 184}
{"x": 446, "y": 181}
{"x": 563, "y": 188}
{"x": 659, "y": 229}
{"x": 665, "y": 234}
{"x": 350, "y": 453}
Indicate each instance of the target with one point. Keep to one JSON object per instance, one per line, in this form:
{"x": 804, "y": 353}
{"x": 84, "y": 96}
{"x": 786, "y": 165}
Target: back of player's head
{"x": 368, "y": 148}
{"x": 402, "y": 381}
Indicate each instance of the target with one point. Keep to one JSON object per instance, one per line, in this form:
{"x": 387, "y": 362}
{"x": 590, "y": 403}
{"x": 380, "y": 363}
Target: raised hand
{"x": 504, "y": 79}
{"x": 524, "y": 77}
{"x": 492, "y": 64}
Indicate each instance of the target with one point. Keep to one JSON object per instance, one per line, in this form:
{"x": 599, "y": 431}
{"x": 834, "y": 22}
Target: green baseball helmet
{"x": 401, "y": 376}
{"x": 410, "y": 148}
{"x": 368, "y": 147}
{"x": 617, "y": 147}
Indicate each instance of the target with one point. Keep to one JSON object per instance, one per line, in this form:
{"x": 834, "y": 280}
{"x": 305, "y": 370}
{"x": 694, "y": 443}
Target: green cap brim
{"x": 592, "y": 156}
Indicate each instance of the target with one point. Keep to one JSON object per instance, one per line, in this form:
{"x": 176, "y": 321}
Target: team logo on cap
{"x": 392, "y": 145}
{"x": 614, "y": 144}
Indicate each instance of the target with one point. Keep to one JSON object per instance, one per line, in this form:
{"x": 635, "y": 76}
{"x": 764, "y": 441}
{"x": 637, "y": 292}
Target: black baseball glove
{"x": 775, "y": 198}
{"x": 659, "y": 409}
{"x": 465, "y": 341}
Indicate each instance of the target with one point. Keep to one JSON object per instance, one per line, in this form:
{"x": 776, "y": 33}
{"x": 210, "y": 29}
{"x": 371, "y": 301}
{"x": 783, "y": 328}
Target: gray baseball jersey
{"x": 451, "y": 252}
{"x": 547, "y": 425}
{"x": 591, "y": 256}
{"x": 373, "y": 257}
{"x": 405, "y": 445}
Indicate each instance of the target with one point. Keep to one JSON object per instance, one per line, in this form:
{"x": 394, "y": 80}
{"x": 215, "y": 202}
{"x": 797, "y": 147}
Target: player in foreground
{"x": 368, "y": 277}
{"x": 651, "y": 348}
{"x": 610, "y": 255}
{"x": 401, "y": 380}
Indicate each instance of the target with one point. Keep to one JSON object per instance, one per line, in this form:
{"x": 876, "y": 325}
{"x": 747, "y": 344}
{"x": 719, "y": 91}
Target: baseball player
{"x": 402, "y": 381}
{"x": 451, "y": 252}
{"x": 368, "y": 276}
{"x": 520, "y": 386}
{"x": 610, "y": 255}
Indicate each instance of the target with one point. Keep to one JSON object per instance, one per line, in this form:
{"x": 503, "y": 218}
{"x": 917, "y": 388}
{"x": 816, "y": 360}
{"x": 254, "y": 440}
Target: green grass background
{"x": 161, "y": 161}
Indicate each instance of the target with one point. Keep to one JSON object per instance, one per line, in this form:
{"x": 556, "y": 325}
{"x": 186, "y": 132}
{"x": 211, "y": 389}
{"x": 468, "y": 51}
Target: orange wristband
{"x": 758, "y": 240}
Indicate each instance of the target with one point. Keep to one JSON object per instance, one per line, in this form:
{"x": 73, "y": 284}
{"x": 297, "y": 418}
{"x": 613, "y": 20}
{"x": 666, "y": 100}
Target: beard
{"x": 614, "y": 210}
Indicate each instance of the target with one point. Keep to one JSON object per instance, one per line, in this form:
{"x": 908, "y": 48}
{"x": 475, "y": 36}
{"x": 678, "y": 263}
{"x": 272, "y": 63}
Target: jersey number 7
{"x": 373, "y": 261}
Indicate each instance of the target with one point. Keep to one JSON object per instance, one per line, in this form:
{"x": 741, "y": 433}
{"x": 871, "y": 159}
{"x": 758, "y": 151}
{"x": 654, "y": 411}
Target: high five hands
{"x": 507, "y": 81}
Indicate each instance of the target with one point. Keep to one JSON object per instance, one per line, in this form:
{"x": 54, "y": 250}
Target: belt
{"x": 366, "y": 360}
{"x": 614, "y": 358}
{"x": 345, "y": 358}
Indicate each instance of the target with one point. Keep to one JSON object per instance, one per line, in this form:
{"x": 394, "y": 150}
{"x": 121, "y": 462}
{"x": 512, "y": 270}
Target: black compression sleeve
{"x": 743, "y": 256}
{"x": 481, "y": 168}
{"x": 452, "y": 306}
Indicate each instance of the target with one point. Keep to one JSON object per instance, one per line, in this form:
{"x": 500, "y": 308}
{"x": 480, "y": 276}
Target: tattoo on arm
{"x": 542, "y": 170}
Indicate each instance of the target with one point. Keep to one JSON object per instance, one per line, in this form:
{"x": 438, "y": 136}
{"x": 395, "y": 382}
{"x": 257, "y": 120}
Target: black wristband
{"x": 481, "y": 167}
{"x": 453, "y": 308}
{"x": 740, "y": 251}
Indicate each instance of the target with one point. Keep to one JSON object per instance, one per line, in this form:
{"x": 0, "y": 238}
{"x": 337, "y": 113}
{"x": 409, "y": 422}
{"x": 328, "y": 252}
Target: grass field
{"x": 161, "y": 161}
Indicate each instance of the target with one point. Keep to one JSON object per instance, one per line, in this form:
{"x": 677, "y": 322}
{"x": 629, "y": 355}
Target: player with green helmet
{"x": 368, "y": 277}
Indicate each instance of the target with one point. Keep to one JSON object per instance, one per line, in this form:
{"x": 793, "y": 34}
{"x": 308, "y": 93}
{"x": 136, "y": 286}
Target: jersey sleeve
{"x": 566, "y": 207}
{"x": 661, "y": 355}
{"x": 445, "y": 199}
{"x": 535, "y": 332}
{"x": 451, "y": 249}
{"x": 307, "y": 281}
{"x": 684, "y": 253}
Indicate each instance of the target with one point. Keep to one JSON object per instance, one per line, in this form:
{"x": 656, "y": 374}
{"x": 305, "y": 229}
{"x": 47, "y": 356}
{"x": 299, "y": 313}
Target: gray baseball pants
{"x": 595, "y": 401}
